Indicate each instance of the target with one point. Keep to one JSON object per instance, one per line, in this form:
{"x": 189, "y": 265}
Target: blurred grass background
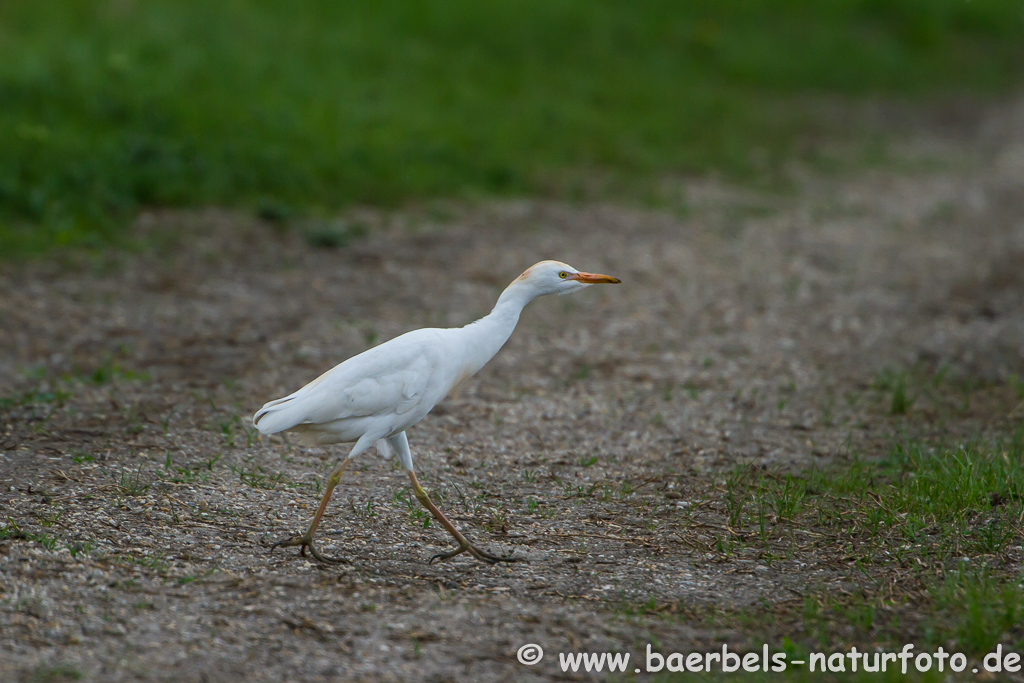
{"x": 106, "y": 107}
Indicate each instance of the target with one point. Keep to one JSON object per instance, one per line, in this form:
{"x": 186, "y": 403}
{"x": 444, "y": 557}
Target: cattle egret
{"x": 373, "y": 398}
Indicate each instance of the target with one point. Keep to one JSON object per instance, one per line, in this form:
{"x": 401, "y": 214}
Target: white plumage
{"x": 389, "y": 387}
{"x": 372, "y": 398}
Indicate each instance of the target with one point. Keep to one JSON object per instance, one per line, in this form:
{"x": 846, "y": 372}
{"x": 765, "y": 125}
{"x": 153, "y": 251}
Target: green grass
{"x": 922, "y": 502}
{"x": 979, "y": 608}
{"x": 56, "y": 673}
{"x": 305, "y": 107}
{"x": 926, "y": 541}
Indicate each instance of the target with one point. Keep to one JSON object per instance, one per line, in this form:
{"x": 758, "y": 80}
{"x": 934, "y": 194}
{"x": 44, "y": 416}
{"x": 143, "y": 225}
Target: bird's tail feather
{"x": 278, "y": 415}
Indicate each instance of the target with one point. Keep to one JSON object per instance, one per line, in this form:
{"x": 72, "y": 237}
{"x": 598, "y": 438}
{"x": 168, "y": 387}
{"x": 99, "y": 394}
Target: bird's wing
{"x": 390, "y": 379}
{"x": 391, "y": 391}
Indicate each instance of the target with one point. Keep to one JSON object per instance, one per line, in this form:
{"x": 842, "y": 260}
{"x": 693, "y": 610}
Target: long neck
{"x": 510, "y": 304}
{"x": 486, "y": 336}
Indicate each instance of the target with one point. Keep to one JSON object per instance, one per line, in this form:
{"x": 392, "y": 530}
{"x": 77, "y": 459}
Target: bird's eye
{"x": 563, "y": 275}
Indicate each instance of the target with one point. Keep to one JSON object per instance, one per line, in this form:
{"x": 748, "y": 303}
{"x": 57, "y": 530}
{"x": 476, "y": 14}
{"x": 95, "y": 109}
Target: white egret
{"x": 374, "y": 397}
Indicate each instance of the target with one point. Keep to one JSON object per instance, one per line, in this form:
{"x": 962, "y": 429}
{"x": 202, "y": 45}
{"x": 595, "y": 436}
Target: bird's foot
{"x": 306, "y": 541}
{"x": 481, "y": 555}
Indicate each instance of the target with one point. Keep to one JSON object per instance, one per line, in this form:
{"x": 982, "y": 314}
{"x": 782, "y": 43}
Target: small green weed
{"x": 334, "y": 234}
{"x": 56, "y": 673}
{"x": 130, "y": 483}
{"x": 788, "y": 500}
{"x": 259, "y": 478}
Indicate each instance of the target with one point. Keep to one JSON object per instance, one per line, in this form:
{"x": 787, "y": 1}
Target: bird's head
{"x": 555, "y": 277}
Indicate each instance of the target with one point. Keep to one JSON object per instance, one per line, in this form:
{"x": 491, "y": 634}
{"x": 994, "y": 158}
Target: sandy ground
{"x": 749, "y": 328}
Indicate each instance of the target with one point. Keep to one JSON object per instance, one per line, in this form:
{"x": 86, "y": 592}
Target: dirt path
{"x": 750, "y": 329}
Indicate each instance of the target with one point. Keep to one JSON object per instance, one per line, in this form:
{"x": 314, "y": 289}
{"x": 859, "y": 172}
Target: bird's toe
{"x": 441, "y": 557}
{"x": 292, "y": 541}
{"x": 487, "y": 557}
{"x": 324, "y": 558}
{"x": 305, "y": 542}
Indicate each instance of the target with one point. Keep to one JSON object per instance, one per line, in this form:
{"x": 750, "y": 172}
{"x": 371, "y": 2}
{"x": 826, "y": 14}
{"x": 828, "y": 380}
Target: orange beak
{"x": 595, "y": 278}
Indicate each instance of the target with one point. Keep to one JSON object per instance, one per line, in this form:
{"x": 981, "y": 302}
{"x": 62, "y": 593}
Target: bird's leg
{"x": 464, "y": 544}
{"x": 306, "y": 540}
